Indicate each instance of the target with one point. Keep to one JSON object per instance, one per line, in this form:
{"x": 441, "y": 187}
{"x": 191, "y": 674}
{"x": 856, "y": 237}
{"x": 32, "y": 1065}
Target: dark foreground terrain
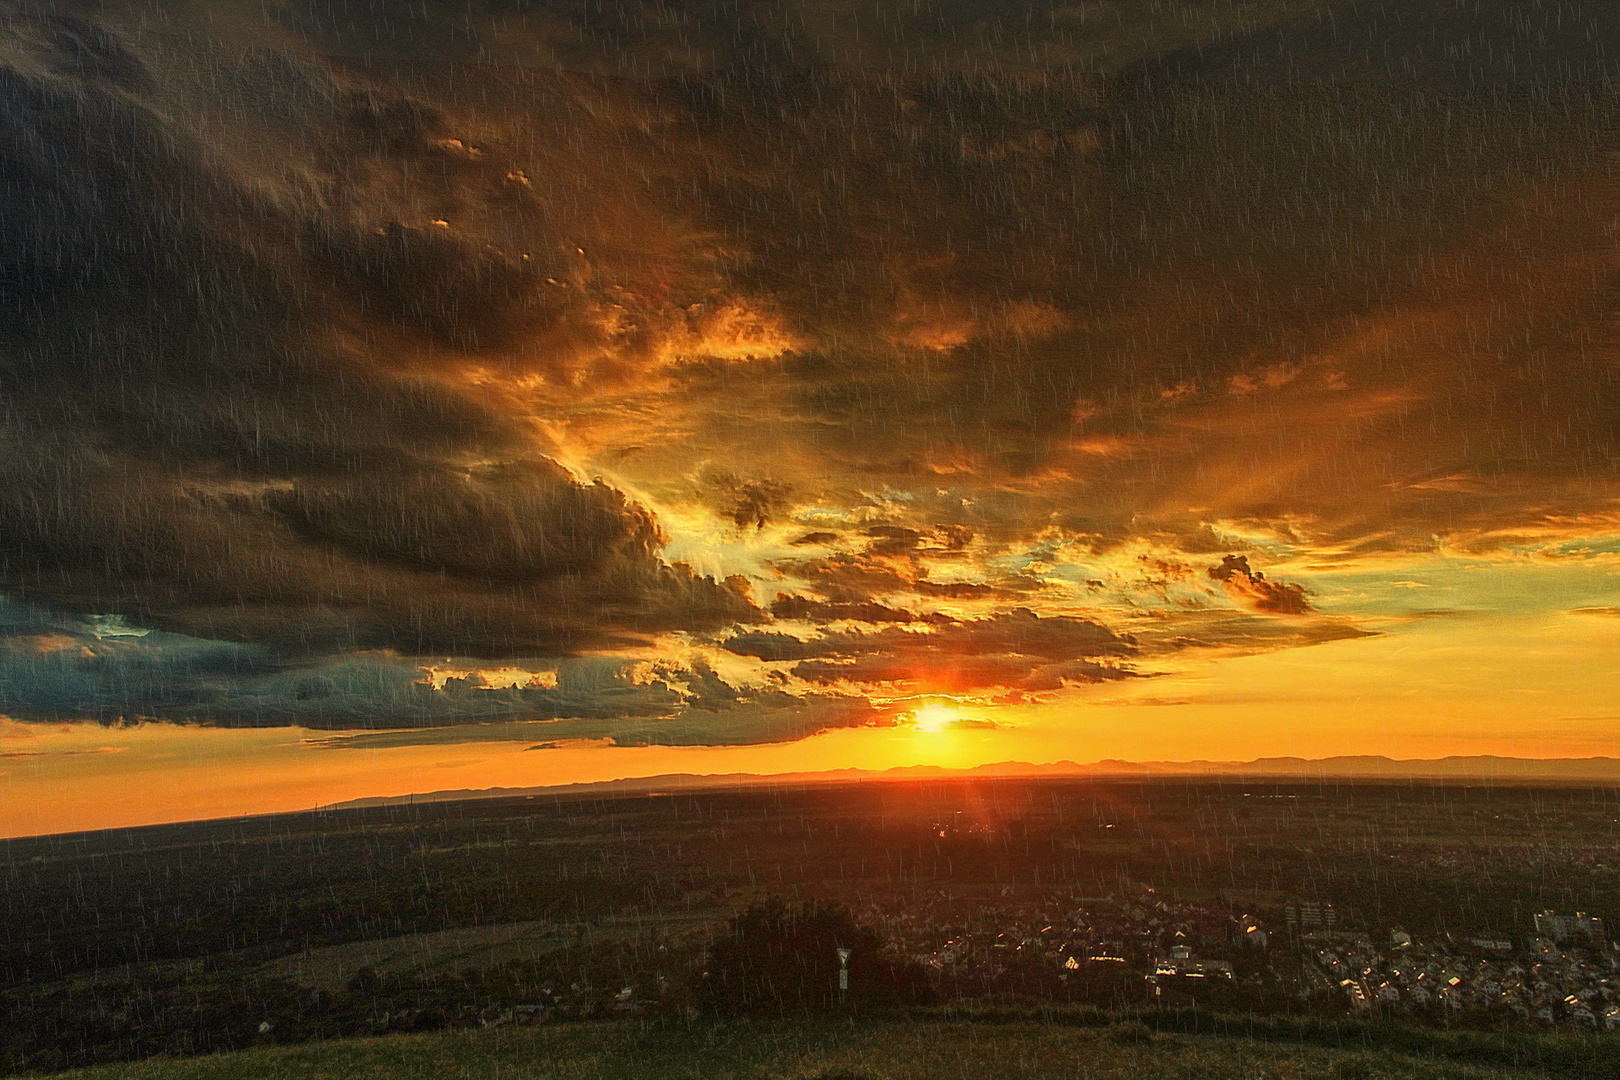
{"x": 1364, "y": 917}
{"x": 929, "y": 1049}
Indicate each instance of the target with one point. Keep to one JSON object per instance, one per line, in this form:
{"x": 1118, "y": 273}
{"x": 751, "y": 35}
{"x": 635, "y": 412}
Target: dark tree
{"x": 784, "y": 960}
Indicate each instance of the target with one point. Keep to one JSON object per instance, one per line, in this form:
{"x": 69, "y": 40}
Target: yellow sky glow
{"x": 1536, "y": 687}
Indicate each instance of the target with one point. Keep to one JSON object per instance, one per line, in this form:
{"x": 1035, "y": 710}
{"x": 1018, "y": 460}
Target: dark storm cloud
{"x": 798, "y": 607}
{"x": 748, "y": 503}
{"x": 1239, "y": 631}
{"x": 285, "y": 568}
{"x": 1020, "y": 631}
{"x": 228, "y": 408}
{"x": 896, "y": 559}
{"x": 1010, "y": 263}
{"x": 1508, "y": 45}
{"x": 1252, "y": 586}
{"x": 765, "y": 718}
{"x": 816, "y": 538}
{"x": 55, "y": 667}
{"x": 855, "y": 577}
{"x": 516, "y": 521}
{"x": 1015, "y": 649}
{"x": 1129, "y": 282}
{"x": 947, "y": 673}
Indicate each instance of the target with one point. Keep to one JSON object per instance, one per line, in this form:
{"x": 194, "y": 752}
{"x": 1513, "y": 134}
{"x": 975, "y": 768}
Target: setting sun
{"x": 935, "y": 716}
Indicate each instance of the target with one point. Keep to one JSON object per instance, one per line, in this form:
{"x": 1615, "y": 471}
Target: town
{"x": 1146, "y": 949}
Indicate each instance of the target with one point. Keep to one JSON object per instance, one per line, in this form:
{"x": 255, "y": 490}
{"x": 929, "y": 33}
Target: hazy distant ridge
{"x": 1482, "y": 767}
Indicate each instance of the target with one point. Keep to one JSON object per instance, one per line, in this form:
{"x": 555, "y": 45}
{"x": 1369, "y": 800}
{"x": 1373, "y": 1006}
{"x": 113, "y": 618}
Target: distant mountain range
{"x": 1479, "y": 768}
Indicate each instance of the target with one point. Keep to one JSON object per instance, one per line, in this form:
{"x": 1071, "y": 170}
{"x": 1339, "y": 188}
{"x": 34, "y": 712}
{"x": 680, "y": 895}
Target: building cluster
{"x": 1573, "y": 978}
{"x": 984, "y": 938}
{"x": 1566, "y": 974}
{"x": 1307, "y": 915}
{"x": 1579, "y": 928}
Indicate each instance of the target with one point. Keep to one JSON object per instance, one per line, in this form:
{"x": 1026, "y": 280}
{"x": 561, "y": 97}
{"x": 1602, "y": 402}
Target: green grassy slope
{"x": 890, "y": 1050}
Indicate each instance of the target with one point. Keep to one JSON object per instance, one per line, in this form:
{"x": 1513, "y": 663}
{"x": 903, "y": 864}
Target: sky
{"x": 402, "y": 397}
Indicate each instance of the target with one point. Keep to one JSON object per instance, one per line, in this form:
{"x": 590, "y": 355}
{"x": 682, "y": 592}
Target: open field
{"x": 879, "y": 1051}
{"x": 446, "y": 952}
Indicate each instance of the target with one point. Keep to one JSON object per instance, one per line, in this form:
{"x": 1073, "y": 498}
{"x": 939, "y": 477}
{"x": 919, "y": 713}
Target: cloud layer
{"x": 635, "y": 347}
{"x": 229, "y": 405}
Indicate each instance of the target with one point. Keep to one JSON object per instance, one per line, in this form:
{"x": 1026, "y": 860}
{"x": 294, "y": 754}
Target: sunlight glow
{"x": 935, "y": 716}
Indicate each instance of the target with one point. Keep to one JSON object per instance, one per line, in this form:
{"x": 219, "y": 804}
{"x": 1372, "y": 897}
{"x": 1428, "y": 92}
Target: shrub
{"x": 1130, "y": 1032}
{"x": 784, "y": 960}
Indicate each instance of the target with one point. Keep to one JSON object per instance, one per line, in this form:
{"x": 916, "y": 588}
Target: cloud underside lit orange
{"x": 757, "y": 386}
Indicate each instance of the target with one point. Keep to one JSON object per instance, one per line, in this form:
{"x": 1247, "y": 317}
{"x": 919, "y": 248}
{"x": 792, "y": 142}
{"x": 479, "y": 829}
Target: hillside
{"x": 878, "y": 1051}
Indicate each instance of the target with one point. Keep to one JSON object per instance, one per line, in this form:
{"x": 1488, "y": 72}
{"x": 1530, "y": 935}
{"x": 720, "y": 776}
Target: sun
{"x": 935, "y": 716}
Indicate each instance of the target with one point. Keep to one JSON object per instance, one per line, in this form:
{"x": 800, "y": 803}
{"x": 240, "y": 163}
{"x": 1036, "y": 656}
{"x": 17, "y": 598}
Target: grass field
{"x": 880, "y": 1050}
{"x": 446, "y": 952}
